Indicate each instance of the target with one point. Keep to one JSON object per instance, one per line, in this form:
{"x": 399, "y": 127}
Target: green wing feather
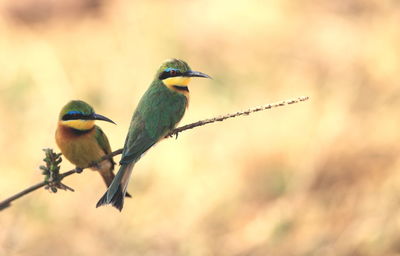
{"x": 158, "y": 112}
{"x": 103, "y": 142}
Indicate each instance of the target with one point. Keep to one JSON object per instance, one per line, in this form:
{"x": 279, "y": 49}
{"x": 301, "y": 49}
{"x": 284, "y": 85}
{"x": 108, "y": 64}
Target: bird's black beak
{"x": 191, "y": 73}
{"x": 103, "y": 118}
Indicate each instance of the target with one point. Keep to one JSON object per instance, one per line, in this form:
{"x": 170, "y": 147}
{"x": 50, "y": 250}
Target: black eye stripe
{"x": 67, "y": 117}
{"x": 168, "y": 74}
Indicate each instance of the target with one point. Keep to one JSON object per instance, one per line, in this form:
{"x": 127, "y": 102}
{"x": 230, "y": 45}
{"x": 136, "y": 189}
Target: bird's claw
{"x": 95, "y": 165}
{"x": 171, "y": 135}
{"x": 78, "y": 170}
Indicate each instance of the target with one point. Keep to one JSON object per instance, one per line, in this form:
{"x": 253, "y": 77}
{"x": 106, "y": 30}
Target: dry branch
{"x": 7, "y": 202}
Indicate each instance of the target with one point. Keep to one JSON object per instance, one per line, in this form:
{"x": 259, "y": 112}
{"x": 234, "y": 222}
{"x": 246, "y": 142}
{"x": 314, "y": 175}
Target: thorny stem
{"x": 7, "y": 202}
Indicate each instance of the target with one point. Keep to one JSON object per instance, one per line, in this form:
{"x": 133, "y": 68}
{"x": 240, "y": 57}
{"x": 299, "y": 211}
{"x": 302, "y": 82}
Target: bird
{"x": 158, "y": 112}
{"x": 81, "y": 141}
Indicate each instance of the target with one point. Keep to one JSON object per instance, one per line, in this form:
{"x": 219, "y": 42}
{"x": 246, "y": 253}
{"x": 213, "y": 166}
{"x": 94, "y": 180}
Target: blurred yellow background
{"x": 315, "y": 178}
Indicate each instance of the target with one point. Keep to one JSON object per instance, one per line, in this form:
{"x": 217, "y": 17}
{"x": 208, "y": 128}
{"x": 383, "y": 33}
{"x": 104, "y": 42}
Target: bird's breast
{"x": 79, "y": 149}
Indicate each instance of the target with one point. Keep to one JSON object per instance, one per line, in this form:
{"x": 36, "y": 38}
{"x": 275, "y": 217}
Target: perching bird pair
{"x": 158, "y": 112}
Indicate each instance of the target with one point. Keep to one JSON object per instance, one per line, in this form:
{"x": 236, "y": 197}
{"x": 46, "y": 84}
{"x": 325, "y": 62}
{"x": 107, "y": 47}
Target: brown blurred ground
{"x": 316, "y": 178}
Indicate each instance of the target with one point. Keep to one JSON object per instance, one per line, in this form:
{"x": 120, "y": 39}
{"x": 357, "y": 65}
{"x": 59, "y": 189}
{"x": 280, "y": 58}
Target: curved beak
{"x": 103, "y": 118}
{"x": 192, "y": 73}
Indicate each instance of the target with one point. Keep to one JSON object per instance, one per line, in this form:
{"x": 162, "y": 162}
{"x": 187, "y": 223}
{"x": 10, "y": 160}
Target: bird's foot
{"x": 171, "y": 135}
{"x": 95, "y": 165}
{"x": 78, "y": 170}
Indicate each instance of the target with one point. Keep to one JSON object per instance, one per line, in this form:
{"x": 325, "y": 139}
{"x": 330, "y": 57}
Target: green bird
{"x": 81, "y": 141}
{"x": 158, "y": 112}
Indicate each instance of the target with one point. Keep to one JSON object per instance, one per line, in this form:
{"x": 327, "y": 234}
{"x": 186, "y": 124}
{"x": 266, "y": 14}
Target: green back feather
{"x": 158, "y": 112}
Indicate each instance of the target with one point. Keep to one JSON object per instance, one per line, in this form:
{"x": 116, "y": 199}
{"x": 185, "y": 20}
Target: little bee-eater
{"x": 81, "y": 141}
{"x": 158, "y": 112}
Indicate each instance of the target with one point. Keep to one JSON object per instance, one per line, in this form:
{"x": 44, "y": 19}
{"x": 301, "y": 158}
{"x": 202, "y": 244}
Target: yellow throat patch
{"x": 79, "y": 124}
{"x": 176, "y": 80}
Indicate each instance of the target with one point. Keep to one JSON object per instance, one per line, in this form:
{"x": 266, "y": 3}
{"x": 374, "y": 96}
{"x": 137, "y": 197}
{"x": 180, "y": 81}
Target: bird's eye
{"x": 169, "y": 72}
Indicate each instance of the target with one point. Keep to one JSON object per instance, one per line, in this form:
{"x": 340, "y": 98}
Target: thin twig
{"x": 7, "y": 202}
{"x": 240, "y": 113}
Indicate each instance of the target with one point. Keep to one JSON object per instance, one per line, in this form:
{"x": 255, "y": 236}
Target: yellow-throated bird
{"x": 159, "y": 111}
{"x": 81, "y": 141}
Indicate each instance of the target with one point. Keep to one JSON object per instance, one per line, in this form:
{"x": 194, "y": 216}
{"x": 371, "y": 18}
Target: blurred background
{"x": 314, "y": 178}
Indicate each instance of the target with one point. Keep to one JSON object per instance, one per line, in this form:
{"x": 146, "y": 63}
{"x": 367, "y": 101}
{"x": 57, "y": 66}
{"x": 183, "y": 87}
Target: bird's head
{"x": 79, "y": 115}
{"x": 176, "y": 75}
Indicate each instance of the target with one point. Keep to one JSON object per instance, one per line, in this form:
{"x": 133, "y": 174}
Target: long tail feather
{"x": 117, "y": 190}
{"x": 108, "y": 177}
{"x": 117, "y": 200}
